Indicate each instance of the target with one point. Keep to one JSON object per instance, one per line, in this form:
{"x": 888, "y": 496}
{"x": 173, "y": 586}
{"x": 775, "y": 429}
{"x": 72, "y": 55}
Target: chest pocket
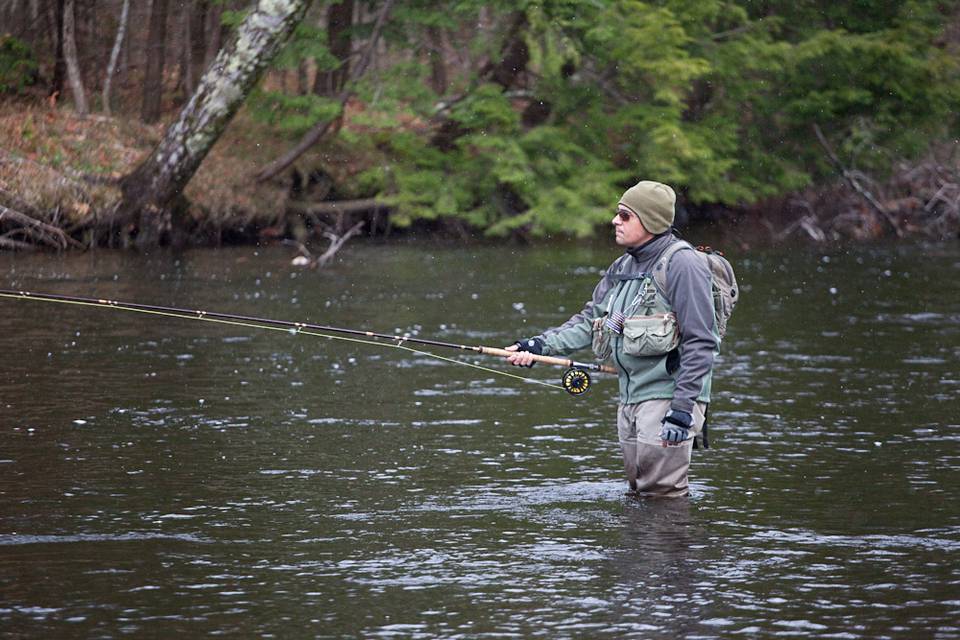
{"x": 649, "y": 329}
{"x": 646, "y": 325}
{"x": 653, "y": 335}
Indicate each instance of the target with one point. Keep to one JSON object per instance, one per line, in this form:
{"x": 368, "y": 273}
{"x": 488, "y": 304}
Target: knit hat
{"x": 653, "y": 203}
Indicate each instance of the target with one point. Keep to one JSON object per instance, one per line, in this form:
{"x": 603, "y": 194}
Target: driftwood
{"x": 39, "y": 232}
{"x": 306, "y": 257}
{"x": 808, "y": 224}
{"x": 15, "y": 245}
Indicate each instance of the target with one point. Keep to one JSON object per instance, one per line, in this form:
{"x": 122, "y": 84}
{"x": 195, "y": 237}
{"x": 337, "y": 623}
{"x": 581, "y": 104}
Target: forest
{"x": 202, "y": 122}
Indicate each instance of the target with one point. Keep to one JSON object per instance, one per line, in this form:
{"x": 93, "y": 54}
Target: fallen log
{"x": 336, "y": 207}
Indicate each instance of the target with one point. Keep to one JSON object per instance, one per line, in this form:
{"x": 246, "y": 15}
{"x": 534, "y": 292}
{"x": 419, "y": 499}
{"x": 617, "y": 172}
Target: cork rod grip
{"x": 561, "y": 362}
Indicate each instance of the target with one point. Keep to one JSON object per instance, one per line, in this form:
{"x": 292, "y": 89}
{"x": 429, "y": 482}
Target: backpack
{"x": 726, "y": 293}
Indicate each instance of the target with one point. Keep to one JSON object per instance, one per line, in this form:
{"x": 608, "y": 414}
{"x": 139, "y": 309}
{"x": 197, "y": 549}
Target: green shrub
{"x": 18, "y": 67}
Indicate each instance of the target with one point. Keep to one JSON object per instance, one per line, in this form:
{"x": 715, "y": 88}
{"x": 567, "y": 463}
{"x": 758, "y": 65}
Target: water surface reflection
{"x": 177, "y": 477}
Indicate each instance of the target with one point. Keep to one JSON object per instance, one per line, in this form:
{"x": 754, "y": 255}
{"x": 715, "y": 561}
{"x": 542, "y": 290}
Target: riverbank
{"x": 59, "y": 178}
{"x": 64, "y": 170}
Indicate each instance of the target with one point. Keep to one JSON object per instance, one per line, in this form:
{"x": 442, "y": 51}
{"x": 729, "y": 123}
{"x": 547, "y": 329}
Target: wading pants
{"x": 652, "y": 469}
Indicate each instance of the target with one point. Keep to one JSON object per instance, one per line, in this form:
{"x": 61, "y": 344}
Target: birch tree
{"x": 115, "y": 55}
{"x": 153, "y": 192}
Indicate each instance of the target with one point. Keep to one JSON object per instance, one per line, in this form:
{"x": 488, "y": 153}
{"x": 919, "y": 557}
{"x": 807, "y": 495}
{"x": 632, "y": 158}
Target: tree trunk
{"x": 184, "y": 73}
{"x": 156, "y": 55}
{"x": 14, "y": 19}
{"x": 126, "y": 54}
{"x": 115, "y": 55}
{"x": 438, "y": 68}
{"x": 70, "y": 53}
{"x": 153, "y": 191}
{"x": 303, "y": 81}
{"x": 514, "y": 55}
{"x": 339, "y": 22}
{"x": 215, "y": 31}
{"x": 55, "y": 14}
{"x": 198, "y": 43}
{"x": 90, "y": 40}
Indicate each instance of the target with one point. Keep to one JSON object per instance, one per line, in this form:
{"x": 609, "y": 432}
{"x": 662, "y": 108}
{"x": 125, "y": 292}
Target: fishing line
{"x": 295, "y": 328}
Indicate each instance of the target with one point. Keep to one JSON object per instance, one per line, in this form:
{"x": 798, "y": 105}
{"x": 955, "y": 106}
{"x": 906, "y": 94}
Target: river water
{"x": 161, "y": 476}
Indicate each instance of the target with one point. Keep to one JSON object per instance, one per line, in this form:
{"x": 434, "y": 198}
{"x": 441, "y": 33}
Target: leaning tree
{"x": 153, "y": 192}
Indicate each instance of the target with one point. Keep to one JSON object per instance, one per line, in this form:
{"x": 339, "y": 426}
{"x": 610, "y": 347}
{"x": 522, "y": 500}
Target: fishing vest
{"x": 645, "y": 349}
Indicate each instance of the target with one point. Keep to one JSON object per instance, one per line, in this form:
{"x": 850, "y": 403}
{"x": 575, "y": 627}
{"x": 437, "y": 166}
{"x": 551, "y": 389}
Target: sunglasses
{"x": 625, "y": 216}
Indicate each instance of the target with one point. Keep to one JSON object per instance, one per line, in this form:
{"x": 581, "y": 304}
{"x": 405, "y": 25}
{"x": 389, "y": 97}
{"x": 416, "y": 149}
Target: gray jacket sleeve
{"x": 690, "y": 294}
{"x": 577, "y": 332}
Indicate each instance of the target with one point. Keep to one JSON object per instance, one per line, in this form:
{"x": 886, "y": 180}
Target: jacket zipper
{"x": 619, "y": 344}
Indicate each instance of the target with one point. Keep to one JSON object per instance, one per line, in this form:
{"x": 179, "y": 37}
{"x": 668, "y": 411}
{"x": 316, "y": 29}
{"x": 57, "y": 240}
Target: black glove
{"x": 675, "y": 426}
{"x": 533, "y": 345}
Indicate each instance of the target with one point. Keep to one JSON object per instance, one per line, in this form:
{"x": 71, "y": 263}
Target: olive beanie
{"x": 653, "y": 203}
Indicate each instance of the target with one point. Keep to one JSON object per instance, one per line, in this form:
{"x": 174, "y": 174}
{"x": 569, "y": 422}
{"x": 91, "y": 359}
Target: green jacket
{"x": 683, "y": 375}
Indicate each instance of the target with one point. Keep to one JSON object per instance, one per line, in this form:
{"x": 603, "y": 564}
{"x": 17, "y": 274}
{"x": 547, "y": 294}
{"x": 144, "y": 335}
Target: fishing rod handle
{"x": 561, "y": 362}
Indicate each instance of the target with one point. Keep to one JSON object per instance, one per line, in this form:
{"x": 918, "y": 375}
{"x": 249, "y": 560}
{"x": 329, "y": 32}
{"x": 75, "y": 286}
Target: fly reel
{"x": 575, "y": 381}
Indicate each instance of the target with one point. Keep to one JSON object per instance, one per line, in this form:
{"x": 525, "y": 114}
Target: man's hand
{"x": 675, "y": 428}
{"x": 523, "y": 352}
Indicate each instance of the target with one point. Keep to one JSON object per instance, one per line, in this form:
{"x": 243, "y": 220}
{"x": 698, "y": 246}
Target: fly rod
{"x": 575, "y": 380}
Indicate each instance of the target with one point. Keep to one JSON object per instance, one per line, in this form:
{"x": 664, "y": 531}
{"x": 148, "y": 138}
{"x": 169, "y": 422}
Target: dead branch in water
{"x": 39, "y": 232}
{"x": 307, "y": 259}
{"x": 15, "y": 245}
{"x": 336, "y": 242}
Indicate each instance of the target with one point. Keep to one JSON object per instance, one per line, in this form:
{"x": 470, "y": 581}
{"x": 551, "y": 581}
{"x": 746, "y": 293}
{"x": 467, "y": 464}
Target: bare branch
{"x": 336, "y": 242}
{"x": 15, "y": 245}
{"x": 37, "y": 230}
{"x": 851, "y": 178}
{"x": 337, "y": 206}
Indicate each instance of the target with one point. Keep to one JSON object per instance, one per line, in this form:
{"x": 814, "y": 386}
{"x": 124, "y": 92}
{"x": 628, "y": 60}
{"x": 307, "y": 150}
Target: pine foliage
{"x": 716, "y": 97}
{"x": 18, "y": 66}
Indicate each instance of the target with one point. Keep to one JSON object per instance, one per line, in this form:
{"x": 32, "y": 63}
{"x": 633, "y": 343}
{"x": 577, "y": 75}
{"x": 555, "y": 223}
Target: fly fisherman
{"x": 652, "y": 315}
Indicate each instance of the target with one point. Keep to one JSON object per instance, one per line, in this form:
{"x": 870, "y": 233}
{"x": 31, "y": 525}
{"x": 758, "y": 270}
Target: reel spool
{"x": 575, "y": 381}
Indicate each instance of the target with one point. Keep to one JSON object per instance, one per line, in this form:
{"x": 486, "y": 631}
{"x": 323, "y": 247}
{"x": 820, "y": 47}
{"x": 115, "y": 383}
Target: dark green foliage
{"x": 18, "y": 66}
{"x": 717, "y": 97}
{"x": 307, "y": 42}
{"x": 292, "y": 114}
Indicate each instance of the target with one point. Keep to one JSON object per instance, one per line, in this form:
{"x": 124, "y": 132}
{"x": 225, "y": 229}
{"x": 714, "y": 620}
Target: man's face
{"x": 629, "y": 231}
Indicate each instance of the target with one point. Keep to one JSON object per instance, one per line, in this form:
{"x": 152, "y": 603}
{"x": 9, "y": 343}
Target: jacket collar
{"x": 651, "y": 248}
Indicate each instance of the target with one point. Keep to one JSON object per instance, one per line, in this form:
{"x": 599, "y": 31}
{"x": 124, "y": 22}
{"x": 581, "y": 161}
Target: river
{"x": 161, "y": 476}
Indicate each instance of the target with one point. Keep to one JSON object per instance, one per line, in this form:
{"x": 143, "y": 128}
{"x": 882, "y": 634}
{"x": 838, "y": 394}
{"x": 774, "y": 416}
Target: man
{"x": 652, "y": 315}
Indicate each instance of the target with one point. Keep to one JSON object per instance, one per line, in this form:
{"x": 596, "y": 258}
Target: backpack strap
{"x": 660, "y": 269}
